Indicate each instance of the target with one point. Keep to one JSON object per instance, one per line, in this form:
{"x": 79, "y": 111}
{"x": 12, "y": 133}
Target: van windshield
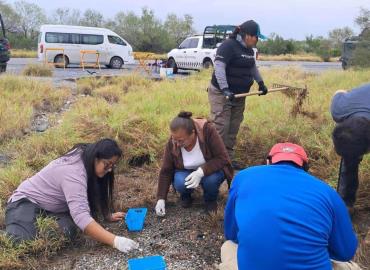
{"x": 116, "y": 40}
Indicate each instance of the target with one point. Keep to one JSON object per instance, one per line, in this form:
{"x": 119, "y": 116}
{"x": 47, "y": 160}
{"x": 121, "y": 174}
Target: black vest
{"x": 240, "y": 63}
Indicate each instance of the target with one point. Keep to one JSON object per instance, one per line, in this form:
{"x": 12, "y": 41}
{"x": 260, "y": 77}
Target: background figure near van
{"x": 194, "y": 155}
{"x": 280, "y": 217}
{"x": 351, "y": 137}
{"x": 235, "y": 71}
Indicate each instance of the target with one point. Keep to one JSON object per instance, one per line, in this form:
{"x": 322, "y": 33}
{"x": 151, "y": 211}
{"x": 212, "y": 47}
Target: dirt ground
{"x": 187, "y": 238}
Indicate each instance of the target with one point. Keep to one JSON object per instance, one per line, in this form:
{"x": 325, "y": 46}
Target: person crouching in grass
{"x": 194, "y": 155}
{"x": 74, "y": 189}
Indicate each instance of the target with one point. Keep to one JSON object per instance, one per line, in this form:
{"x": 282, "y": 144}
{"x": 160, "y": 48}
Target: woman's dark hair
{"x": 235, "y": 33}
{"x": 99, "y": 190}
{"x": 184, "y": 121}
{"x": 351, "y": 137}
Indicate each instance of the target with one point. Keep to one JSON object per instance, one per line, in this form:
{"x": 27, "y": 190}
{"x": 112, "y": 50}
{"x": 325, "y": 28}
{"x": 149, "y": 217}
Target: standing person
{"x": 280, "y": 217}
{"x": 74, "y": 189}
{"x": 351, "y": 137}
{"x": 194, "y": 155}
{"x": 235, "y": 71}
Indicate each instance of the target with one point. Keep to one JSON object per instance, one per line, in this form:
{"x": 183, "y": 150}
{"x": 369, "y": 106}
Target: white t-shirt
{"x": 193, "y": 159}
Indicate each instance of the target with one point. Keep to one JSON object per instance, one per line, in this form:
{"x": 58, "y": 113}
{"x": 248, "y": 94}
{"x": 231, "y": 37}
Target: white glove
{"x": 160, "y": 208}
{"x": 124, "y": 244}
{"x": 193, "y": 179}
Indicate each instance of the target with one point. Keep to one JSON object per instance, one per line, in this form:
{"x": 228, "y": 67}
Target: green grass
{"x": 136, "y": 112}
{"x": 20, "y": 99}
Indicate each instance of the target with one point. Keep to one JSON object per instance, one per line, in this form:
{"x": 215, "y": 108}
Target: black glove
{"x": 262, "y": 88}
{"x": 228, "y": 94}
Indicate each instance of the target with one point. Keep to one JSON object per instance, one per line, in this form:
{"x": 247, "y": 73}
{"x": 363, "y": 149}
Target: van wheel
{"x": 58, "y": 60}
{"x": 171, "y": 63}
{"x": 207, "y": 64}
{"x": 116, "y": 62}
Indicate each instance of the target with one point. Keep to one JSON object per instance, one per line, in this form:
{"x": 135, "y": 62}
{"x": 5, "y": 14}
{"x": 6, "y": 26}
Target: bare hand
{"x": 118, "y": 216}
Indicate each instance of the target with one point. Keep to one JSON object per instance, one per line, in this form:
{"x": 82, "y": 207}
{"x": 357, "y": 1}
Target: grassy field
{"x": 294, "y": 57}
{"x": 136, "y": 112}
{"x": 18, "y": 53}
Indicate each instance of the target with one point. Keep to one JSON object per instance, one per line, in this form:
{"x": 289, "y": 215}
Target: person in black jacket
{"x": 235, "y": 71}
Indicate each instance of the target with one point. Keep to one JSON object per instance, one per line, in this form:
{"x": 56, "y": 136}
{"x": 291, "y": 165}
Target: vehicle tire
{"x": 2, "y": 67}
{"x": 344, "y": 65}
{"x": 59, "y": 60}
{"x": 171, "y": 63}
{"x": 116, "y": 62}
{"x": 207, "y": 64}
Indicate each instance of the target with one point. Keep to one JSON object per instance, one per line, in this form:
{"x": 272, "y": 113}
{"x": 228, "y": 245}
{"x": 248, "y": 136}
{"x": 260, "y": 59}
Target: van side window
{"x": 51, "y": 37}
{"x": 116, "y": 40}
{"x": 75, "y": 38}
{"x": 92, "y": 39}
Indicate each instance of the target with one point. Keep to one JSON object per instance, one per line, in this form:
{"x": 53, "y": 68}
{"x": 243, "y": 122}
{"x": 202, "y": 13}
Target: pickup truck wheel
{"x": 172, "y": 64}
{"x": 207, "y": 64}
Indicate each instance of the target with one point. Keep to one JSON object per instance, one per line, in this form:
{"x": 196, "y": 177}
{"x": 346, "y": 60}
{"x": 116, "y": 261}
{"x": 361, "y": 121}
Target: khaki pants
{"x": 229, "y": 259}
{"x": 226, "y": 116}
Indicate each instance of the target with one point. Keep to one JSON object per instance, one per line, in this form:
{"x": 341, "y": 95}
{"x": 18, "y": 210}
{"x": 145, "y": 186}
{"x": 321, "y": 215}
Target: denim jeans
{"x": 210, "y": 184}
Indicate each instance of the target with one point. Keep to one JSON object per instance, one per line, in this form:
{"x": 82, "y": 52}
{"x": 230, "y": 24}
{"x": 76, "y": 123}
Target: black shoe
{"x": 211, "y": 207}
{"x": 186, "y": 201}
{"x": 237, "y": 166}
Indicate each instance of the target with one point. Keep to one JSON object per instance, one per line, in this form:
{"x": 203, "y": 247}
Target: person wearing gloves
{"x": 351, "y": 137}
{"x": 74, "y": 189}
{"x": 234, "y": 72}
{"x": 194, "y": 155}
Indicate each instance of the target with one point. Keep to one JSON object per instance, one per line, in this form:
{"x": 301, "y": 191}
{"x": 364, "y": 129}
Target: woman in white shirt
{"x": 194, "y": 155}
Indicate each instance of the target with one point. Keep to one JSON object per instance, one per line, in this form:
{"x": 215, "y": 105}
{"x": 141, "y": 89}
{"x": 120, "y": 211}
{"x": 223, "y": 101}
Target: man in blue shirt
{"x": 351, "y": 137}
{"x": 279, "y": 217}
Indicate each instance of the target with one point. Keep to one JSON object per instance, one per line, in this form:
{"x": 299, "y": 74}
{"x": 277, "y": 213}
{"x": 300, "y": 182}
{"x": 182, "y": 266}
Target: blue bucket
{"x": 135, "y": 219}
{"x": 147, "y": 263}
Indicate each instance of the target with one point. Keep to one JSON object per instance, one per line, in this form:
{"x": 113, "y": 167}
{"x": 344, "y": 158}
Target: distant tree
{"x": 361, "y": 54}
{"x": 178, "y": 28}
{"x": 92, "y": 18}
{"x": 66, "y": 16}
{"x": 144, "y": 33}
{"x": 363, "y": 19}
{"x": 338, "y": 35}
{"x": 10, "y": 17}
{"x": 31, "y": 17}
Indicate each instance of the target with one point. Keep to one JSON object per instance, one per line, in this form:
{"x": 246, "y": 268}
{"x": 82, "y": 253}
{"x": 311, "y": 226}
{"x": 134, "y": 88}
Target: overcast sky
{"x": 289, "y": 18}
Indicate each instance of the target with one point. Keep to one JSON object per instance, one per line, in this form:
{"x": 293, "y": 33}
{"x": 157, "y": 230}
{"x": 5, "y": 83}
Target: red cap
{"x": 288, "y": 152}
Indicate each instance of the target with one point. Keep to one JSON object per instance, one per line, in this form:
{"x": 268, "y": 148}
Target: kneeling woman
{"x": 74, "y": 189}
{"x": 195, "y": 154}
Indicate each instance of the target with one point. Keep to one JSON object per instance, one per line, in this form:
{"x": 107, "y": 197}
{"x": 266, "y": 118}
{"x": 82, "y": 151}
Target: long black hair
{"x": 99, "y": 190}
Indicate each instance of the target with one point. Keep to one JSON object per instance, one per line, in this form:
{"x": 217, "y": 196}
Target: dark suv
{"x": 4, "y": 48}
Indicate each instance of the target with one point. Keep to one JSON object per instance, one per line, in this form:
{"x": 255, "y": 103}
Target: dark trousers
{"x": 348, "y": 180}
{"x": 20, "y": 220}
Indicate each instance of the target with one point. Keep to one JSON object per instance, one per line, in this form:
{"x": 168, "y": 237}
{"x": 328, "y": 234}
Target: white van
{"x": 113, "y": 50}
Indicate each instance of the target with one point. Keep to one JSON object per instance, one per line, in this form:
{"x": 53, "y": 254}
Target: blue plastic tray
{"x": 135, "y": 219}
{"x": 147, "y": 263}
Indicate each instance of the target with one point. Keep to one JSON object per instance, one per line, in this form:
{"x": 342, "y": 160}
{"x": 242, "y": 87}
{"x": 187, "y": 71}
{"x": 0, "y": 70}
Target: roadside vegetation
{"x": 136, "y": 111}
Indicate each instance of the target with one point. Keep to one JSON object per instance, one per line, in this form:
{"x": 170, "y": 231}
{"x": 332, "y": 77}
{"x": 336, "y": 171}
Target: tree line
{"x": 146, "y": 32}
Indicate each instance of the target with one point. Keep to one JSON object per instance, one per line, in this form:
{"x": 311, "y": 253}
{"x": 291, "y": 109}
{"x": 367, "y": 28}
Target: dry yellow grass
{"x": 20, "y": 53}
{"x": 38, "y": 70}
{"x": 293, "y": 57}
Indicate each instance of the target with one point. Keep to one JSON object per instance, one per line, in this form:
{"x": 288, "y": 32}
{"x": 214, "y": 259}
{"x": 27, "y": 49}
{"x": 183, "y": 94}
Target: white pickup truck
{"x": 192, "y": 55}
